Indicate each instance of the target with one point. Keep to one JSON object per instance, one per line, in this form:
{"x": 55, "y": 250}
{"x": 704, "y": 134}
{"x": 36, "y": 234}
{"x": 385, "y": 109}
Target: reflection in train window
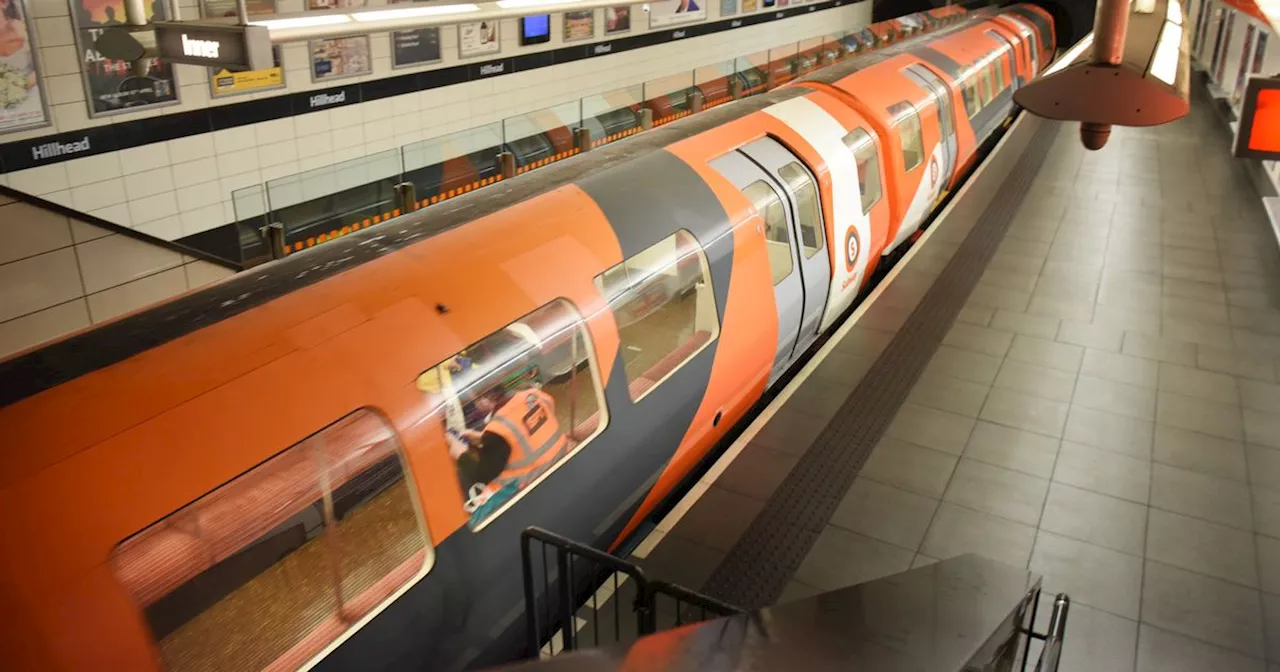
{"x": 278, "y": 563}
{"x": 865, "y": 156}
{"x": 777, "y": 234}
{"x": 808, "y": 213}
{"x": 907, "y": 123}
{"x": 516, "y": 404}
{"x": 972, "y": 104}
{"x": 665, "y": 309}
{"x": 985, "y": 78}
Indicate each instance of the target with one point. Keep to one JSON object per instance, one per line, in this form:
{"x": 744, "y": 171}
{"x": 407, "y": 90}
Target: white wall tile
{"x": 347, "y": 137}
{"x": 151, "y": 208}
{"x": 234, "y": 163}
{"x": 144, "y": 158}
{"x": 197, "y": 196}
{"x": 99, "y": 194}
{"x": 73, "y": 116}
{"x": 24, "y": 332}
{"x": 313, "y": 145}
{"x": 64, "y": 89}
{"x": 234, "y": 139}
{"x": 40, "y": 181}
{"x": 116, "y": 214}
{"x": 117, "y": 259}
{"x": 234, "y": 183}
{"x": 274, "y": 131}
{"x": 54, "y": 32}
{"x": 94, "y": 168}
{"x": 35, "y": 283}
{"x": 149, "y": 183}
{"x": 201, "y": 273}
{"x": 27, "y": 231}
{"x": 137, "y": 294}
{"x": 168, "y": 228}
{"x": 195, "y": 172}
{"x": 277, "y": 153}
{"x": 202, "y": 219}
{"x": 311, "y": 123}
{"x": 191, "y": 148}
{"x": 63, "y": 60}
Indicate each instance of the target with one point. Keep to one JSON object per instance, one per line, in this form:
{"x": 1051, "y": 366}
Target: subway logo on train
{"x": 327, "y": 461}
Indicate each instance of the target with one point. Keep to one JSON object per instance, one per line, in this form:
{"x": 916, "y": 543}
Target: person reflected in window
{"x": 520, "y": 441}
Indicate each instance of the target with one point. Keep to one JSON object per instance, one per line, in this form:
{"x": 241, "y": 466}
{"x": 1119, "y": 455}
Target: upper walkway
{"x": 1080, "y": 379}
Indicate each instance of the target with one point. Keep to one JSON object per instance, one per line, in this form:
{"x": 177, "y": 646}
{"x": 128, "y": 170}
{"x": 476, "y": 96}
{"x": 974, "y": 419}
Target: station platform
{"x": 1078, "y": 377}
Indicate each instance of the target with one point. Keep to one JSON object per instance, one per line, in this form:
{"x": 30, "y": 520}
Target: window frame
{"x": 779, "y": 199}
{"x": 912, "y": 116}
{"x": 851, "y": 143}
{"x": 705, "y": 266}
{"x": 428, "y": 548}
{"x": 593, "y": 365}
{"x": 820, "y": 225}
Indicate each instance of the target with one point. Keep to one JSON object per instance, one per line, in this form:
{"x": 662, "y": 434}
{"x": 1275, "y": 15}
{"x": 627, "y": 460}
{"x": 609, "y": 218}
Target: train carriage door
{"x": 800, "y": 191}
{"x": 932, "y": 84}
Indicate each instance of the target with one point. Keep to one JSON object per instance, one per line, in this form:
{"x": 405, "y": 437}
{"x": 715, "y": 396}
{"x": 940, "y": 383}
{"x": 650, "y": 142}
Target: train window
{"x": 985, "y": 78}
{"x": 516, "y": 404}
{"x": 665, "y": 309}
{"x": 907, "y": 123}
{"x": 776, "y": 232}
{"x": 278, "y": 563}
{"x": 808, "y": 212}
{"x": 868, "y": 163}
{"x": 969, "y": 91}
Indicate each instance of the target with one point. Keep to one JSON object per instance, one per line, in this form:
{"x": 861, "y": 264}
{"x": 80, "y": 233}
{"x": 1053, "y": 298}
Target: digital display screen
{"x": 535, "y": 29}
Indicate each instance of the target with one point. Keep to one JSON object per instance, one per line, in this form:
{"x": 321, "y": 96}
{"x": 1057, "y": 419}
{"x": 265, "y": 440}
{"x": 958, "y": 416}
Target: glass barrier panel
{"x": 717, "y": 83}
{"x": 323, "y": 203}
{"x": 782, "y": 64}
{"x": 443, "y": 167}
{"x": 542, "y": 136}
{"x": 808, "y": 56}
{"x": 833, "y": 48}
{"x": 753, "y": 71}
{"x": 612, "y": 115}
{"x": 250, "y": 205}
{"x": 669, "y": 97}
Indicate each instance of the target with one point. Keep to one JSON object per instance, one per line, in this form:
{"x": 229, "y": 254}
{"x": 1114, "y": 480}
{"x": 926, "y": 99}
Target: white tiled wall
{"x": 181, "y": 187}
{"x": 59, "y": 275}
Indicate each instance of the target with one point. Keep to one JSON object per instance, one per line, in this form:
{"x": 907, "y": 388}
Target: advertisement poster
{"x": 21, "y": 100}
{"x": 478, "y": 39}
{"x": 340, "y": 57}
{"x": 728, "y": 7}
{"x": 118, "y": 86}
{"x": 334, "y": 4}
{"x": 674, "y": 12}
{"x": 617, "y": 19}
{"x": 415, "y": 47}
{"x": 226, "y": 83}
{"x": 579, "y": 25}
{"x": 748, "y": 6}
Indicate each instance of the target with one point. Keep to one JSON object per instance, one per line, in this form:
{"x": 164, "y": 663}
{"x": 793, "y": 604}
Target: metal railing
{"x": 1051, "y": 654}
{"x": 577, "y": 579}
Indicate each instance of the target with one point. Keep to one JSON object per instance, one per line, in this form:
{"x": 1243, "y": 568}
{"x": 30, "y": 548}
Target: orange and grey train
{"x": 326, "y": 462}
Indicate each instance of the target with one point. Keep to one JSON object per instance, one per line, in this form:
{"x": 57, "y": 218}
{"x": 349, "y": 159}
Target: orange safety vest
{"x": 528, "y": 424}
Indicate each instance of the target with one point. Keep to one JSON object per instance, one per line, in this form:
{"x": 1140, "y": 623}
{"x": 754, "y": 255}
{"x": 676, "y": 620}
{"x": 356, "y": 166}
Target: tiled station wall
{"x": 180, "y": 187}
{"x": 59, "y": 274}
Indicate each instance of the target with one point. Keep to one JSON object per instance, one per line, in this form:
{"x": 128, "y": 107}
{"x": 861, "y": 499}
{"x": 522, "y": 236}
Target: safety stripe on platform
{"x": 769, "y": 552}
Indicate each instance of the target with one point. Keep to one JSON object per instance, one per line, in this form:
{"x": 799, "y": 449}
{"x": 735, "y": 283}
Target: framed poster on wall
{"x": 728, "y": 7}
{"x": 335, "y": 4}
{"x": 340, "y": 57}
{"x": 748, "y": 6}
{"x": 415, "y": 47}
{"x": 111, "y": 86}
{"x": 674, "y": 12}
{"x": 223, "y": 82}
{"x": 22, "y": 101}
{"x": 579, "y": 25}
{"x": 617, "y": 19}
{"x": 478, "y": 39}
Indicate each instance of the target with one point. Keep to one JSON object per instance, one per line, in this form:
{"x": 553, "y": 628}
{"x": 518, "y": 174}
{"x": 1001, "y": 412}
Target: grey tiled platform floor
{"x": 1105, "y": 411}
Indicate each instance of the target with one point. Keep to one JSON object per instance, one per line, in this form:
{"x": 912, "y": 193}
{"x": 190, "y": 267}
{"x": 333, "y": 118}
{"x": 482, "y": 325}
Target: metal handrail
{"x": 1052, "y": 652}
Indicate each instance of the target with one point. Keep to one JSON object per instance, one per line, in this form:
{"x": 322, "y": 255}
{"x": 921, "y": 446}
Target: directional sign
{"x": 216, "y": 45}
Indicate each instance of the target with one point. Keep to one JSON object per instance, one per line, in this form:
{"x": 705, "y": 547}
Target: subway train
{"x": 297, "y": 467}
{"x": 349, "y": 206}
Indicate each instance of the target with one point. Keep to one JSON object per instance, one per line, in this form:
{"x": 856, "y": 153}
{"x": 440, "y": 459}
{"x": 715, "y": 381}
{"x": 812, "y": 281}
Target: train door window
{"x": 808, "y": 212}
{"x": 984, "y": 76}
{"x": 969, "y": 91}
{"x": 665, "y": 309}
{"x": 776, "y": 232}
{"x": 907, "y": 123}
{"x": 516, "y": 404}
{"x": 868, "y": 163}
{"x": 281, "y": 561}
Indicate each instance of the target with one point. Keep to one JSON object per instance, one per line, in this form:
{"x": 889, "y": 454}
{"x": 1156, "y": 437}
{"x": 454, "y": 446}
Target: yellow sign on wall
{"x": 226, "y": 82}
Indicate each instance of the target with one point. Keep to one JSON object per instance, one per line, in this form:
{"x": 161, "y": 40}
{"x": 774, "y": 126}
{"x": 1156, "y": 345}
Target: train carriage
{"x": 279, "y": 471}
